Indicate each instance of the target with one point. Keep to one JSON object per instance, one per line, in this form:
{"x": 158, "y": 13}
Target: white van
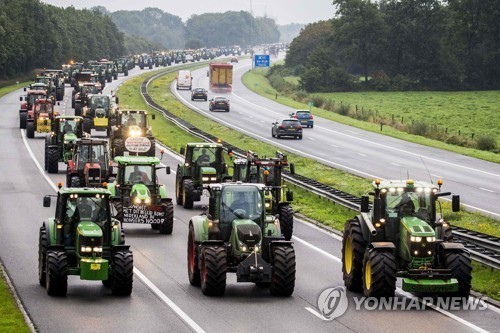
{"x": 184, "y": 80}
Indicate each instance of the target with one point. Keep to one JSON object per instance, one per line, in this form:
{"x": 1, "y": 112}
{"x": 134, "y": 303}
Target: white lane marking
{"x": 396, "y": 164}
{"x": 314, "y": 312}
{"x": 399, "y": 290}
{"x": 487, "y": 190}
{"x": 141, "y": 276}
{"x": 436, "y": 176}
{"x": 334, "y": 146}
{"x": 361, "y": 154}
{"x": 312, "y": 139}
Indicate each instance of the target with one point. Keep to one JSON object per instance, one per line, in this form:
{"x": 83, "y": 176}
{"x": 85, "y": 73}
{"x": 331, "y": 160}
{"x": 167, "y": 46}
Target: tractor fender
{"x": 51, "y": 230}
{"x": 71, "y": 167}
{"x": 163, "y": 191}
{"x": 116, "y": 248}
{"x": 448, "y": 246}
{"x": 200, "y": 227}
{"x": 23, "y": 110}
{"x": 382, "y": 245}
{"x": 112, "y": 189}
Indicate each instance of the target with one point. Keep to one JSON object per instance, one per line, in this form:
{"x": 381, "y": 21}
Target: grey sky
{"x": 283, "y": 11}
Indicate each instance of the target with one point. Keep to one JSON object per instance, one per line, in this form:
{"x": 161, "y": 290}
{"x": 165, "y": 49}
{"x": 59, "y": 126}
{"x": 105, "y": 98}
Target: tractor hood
{"x": 140, "y": 192}
{"x": 89, "y": 229}
{"x": 247, "y": 233}
{"x": 208, "y": 175}
{"x": 69, "y": 137}
{"x": 416, "y": 227}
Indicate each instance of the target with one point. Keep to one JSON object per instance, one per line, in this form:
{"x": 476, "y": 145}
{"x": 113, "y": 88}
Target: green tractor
{"x": 99, "y": 113}
{"x": 236, "y": 235}
{"x": 132, "y": 134}
{"x": 90, "y": 165}
{"x": 137, "y": 196}
{"x": 269, "y": 171}
{"x": 83, "y": 239}
{"x": 122, "y": 66}
{"x": 404, "y": 235}
{"x": 60, "y": 142}
{"x": 203, "y": 164}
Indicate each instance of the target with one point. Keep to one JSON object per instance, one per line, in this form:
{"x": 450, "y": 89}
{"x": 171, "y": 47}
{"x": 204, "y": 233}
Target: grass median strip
{"x": 304, "y": 202}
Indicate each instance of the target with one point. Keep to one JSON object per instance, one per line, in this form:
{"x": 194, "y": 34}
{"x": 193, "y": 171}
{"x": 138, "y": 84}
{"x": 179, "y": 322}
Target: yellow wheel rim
{"x": 348, "y": 257}
{"x": 368, "y": 275}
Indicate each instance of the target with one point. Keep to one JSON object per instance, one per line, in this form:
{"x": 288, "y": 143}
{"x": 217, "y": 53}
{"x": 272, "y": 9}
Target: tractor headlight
{"x": 97, "y": 249}
{"x": 204, "y": 179}
{"x": 148, "y": 200}
{"x": 416, "y": 239}
{"x": 213, "y": 179}
{"x": 86, "y": 249}
{"x": 430, "y": 239}
{"x": 137, "y": 200}
{"x": 268, "y": 205}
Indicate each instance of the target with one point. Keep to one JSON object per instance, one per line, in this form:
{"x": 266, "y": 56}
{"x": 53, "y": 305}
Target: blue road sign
{"x": 262, "y": 60}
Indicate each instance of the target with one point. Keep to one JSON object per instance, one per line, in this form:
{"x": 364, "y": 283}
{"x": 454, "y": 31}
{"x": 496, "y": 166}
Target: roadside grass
{"x": 11, "y": 319}
{"x": 11, "y": 86}
{"x": 471, "y": 112}
{"x": 486, "y": 280}
{"x": 304, "y": 202}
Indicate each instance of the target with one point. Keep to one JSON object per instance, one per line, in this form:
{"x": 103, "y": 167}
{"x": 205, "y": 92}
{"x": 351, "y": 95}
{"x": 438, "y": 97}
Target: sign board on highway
{"x": 262, "y": 60}
{"x": 144, "y": 214}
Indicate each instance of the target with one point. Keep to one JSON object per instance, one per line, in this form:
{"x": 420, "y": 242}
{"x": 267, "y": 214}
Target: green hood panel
{"x": 416, "y": 226}
{"x": 68, "y": 137}
{"x": 140, "y": 191}
{"x": 89, "y": 229}
{"x": 208, "y": 171}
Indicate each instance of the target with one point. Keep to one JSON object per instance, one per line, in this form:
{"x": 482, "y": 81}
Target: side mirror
{"x": 292, "y": 168}
{"x": 365, "y": 204}
{"x": 153, "y": 116}
{"x": 58, "y": 103}
{"x": 289, "y": 196}
{"x": 21, "y": 98}
{"x": 182, "y": 151}
{"x": 167, "y": 170}
{"x": 46, "y": 201}
{"x": 117, "y": 100}
{"x": 455, "y": 203}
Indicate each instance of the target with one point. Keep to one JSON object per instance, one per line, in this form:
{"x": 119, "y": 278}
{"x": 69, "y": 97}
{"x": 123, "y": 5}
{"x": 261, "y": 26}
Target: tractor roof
{"x": 84, "y": 191}
{"x": 136, "y": 160}
{"x": 69, "y": 117}
{"x": 239, "y": 184}
{"x": 203, "y": 144}
{"x": 133, "y": 111}
{"x": 91, "y": 141}
{"x": 409, "y": 184}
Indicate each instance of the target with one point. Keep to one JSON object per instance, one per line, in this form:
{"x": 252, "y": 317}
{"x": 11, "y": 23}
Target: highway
{"x": 162, "y": 299}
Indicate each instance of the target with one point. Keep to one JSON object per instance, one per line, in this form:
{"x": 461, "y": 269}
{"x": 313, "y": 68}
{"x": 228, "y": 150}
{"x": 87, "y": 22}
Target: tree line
{"x": 37, "y": 35}
{"x": 400, "y": 45}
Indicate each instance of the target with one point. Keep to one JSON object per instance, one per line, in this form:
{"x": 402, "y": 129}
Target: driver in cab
{"x": 138, "y": 176}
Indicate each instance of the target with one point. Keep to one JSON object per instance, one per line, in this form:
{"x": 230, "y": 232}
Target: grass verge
{"x": 11, "y": 319}
{"x": 305, "y": 203}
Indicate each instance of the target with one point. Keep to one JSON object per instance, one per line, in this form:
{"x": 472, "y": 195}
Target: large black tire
{"x": 87, "y": 125}
{"x": 192, "y": 259}
{"x": 178, "y": 187}
{"x": 78, "y": 109}
{"x": 187, "y": 193}
{"x": 75, "y": 181}
{"x": 73, "y": 102}
{"x": 353, "y": 249}
{"x": 109, "y": 78}
{"x": 125, "y": 73}
{"x": 112, "y": 122}
{"x": 379, "y": 273}
{"x": 46, "y": 151}
{"x": 286, "y": 221}
{"x": 151, "y": 152}
{"x": 122, "y": 271}
{"x": 461, "y": 269}
{"x": 119, "y": 210}
{"x": 42, "y": 256}
{"x": 115, "y": 76}
{"x": 57, "y": 273}
{"x": 53, "y": 160}
{"x": 167, "y": 227}
{"x": 213, "y": 270}
{"x": 30, "y": 130}
{"x": 59, "y": 94}
{"x": 118, "y": 147}
{"x": 283, "y": 274}
{"x": 23, "y": 116}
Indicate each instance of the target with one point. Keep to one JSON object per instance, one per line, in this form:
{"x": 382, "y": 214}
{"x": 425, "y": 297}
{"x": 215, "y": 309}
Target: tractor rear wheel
{"x": 57, "y": 273}
{"x": 461, "y": 269}
{"x": 178, "y": 188}
{"x": 167, "y": 226}
{"x": 118, "y": 147}
{"x": 52, "y": 160}
{"x": 286, "y": 221}
{"x": 46, "y": 151}
{"x": 151, "y": 152}
{"x": 78, "y": 108}
{"x": 75, "y": 181}
{"x": 30, "y": 130}
{"x": 192, "y": 259}
{"x": 42, "y": 256}
{"x": 119, "y": 210}
{"x": 379, "y": 273}
{"x": 23, "y": 116}
{"x": 87, "y": 125}
{"x": 123, "y": 273}
{"x": 155, "y": 226}
{"x": 353, "y": 249}
{"x": 187, "y": 193}
{"x": 213, "y": 270}
{"x": 283, "y": 274}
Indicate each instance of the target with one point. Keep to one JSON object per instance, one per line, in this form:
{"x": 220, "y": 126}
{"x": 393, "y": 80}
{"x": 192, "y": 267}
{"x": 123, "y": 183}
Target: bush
{"x": 401, "y": 82}
{"x": 380, "y": 80}
{"x": 318, "y": 101}
{"x": 486, "y": 142}
{"x": 343, "y": 110}
{"x": 301, "y": 95}
{"x": 418, "y": 127}
{"x": 329, "y": 105}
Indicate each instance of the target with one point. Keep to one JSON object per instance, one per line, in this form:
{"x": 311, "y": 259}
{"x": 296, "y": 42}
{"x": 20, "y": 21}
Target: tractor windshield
{"x": 100, "y": 102}
{"x": 86, "y": 208}
{"x": 139, "y": 174}
{"x": 401, "y": 203}
{"x": 240, "y": 202}
{"x": 45, "y": 80}
{"x": 43, "y": 107}
{"x": 134, "y": 119}
{"x": 91, "y": 154}
{"x": 207, "y": 155}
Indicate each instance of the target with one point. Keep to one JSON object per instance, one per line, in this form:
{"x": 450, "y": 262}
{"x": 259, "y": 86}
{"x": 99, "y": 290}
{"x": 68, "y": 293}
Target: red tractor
{"x": 90, "y": 165}
{"x": 40, "y": 117}
{"x": 27, "y": 103}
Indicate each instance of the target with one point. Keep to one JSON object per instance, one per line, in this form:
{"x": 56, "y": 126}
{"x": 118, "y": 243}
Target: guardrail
{"x": 482, "y": 248}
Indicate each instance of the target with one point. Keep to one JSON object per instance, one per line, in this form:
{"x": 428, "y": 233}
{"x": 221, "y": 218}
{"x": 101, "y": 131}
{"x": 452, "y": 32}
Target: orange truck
{"x": 220, "y": 77}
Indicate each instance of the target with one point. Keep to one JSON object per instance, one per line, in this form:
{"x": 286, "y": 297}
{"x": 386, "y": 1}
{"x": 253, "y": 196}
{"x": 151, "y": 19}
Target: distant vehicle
{"x": 219, "y": 103}
{"x": 199, "y": 93}
{"x": 234, "y": 59}
{"x": 220, "y": 77}
{"x": 287, "y": 127}
{"x": 184, "y": 80}
{"x": 304, "y": 117}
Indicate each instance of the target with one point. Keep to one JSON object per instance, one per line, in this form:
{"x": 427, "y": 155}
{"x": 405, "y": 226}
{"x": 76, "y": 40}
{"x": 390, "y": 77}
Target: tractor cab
{"x": 132, "y": 133}
{"x": 60, "y": 143}
{"x": 40, "y": 117}
{"x": 90, "y": 164}
{"x": 99, "y": 113}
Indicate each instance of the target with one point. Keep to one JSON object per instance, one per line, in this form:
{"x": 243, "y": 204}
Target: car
{"x": 287, "y": 127}
{"x": 304, "y": 117}
{"x": 219, "y": 103}
{"x": 234, "y": 59}
{"x": 199, "y": 93}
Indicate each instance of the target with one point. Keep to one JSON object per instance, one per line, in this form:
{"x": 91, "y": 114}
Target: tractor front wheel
{"x": 379, "y": 273}
{"x": 192, "y": 259}
{"x": 167, "y": 226}
{"x": 283, "y": 274}
{"x": 42, "y": 256}
{"x": 353, "y": 249}
{"x": 187, "y": 193}
{"x": 78, "y": 109}
{"x": 122, "y": 273}
{"x": 151, "y": 152}
{"x": 286, "y": 221}
{"x": 213, "y": 271}
{"x": 30, "y": 130}
{"x": 178, "y": 188}
{"x": 461, "y": 269}
{"x": 87, "y": 125}
{"x": 23, "y": 116}
{"x": 53, "y": 160}
{"x": 118, "y": 147}
{"x": 57, "y": 273}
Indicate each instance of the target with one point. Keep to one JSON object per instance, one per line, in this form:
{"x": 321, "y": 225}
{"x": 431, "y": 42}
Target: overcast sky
{"x": 283, "y": 11}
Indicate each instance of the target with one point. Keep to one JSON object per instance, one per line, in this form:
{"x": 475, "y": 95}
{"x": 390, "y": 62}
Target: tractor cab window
{"x": 91, "y": 154}
{"x": 139, "y": 174}
{"x": 100, "y": 101}
{"x": 240, "y": 202}
{"x": 206, "y": 155}
{"x": 66, "y": 126}
{"x": 416, "y": 204}
{"x": 86, "y": 208}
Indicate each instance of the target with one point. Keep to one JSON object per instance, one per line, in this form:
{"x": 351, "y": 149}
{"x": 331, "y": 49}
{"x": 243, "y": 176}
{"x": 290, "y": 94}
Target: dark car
{"x": 219, "y": 103}
{"x": 287, "y": 127}
{"x": 304, "y": 117}
{"x": 199, "y": 93}
{"x": 234, "y": 59}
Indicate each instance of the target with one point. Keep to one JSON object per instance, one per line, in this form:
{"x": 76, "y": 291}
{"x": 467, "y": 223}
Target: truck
{"x": 220, "y": 77}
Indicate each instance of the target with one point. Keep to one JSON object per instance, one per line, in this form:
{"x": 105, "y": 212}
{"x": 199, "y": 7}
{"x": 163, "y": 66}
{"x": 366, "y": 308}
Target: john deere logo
{"x": 424, "y": 244}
